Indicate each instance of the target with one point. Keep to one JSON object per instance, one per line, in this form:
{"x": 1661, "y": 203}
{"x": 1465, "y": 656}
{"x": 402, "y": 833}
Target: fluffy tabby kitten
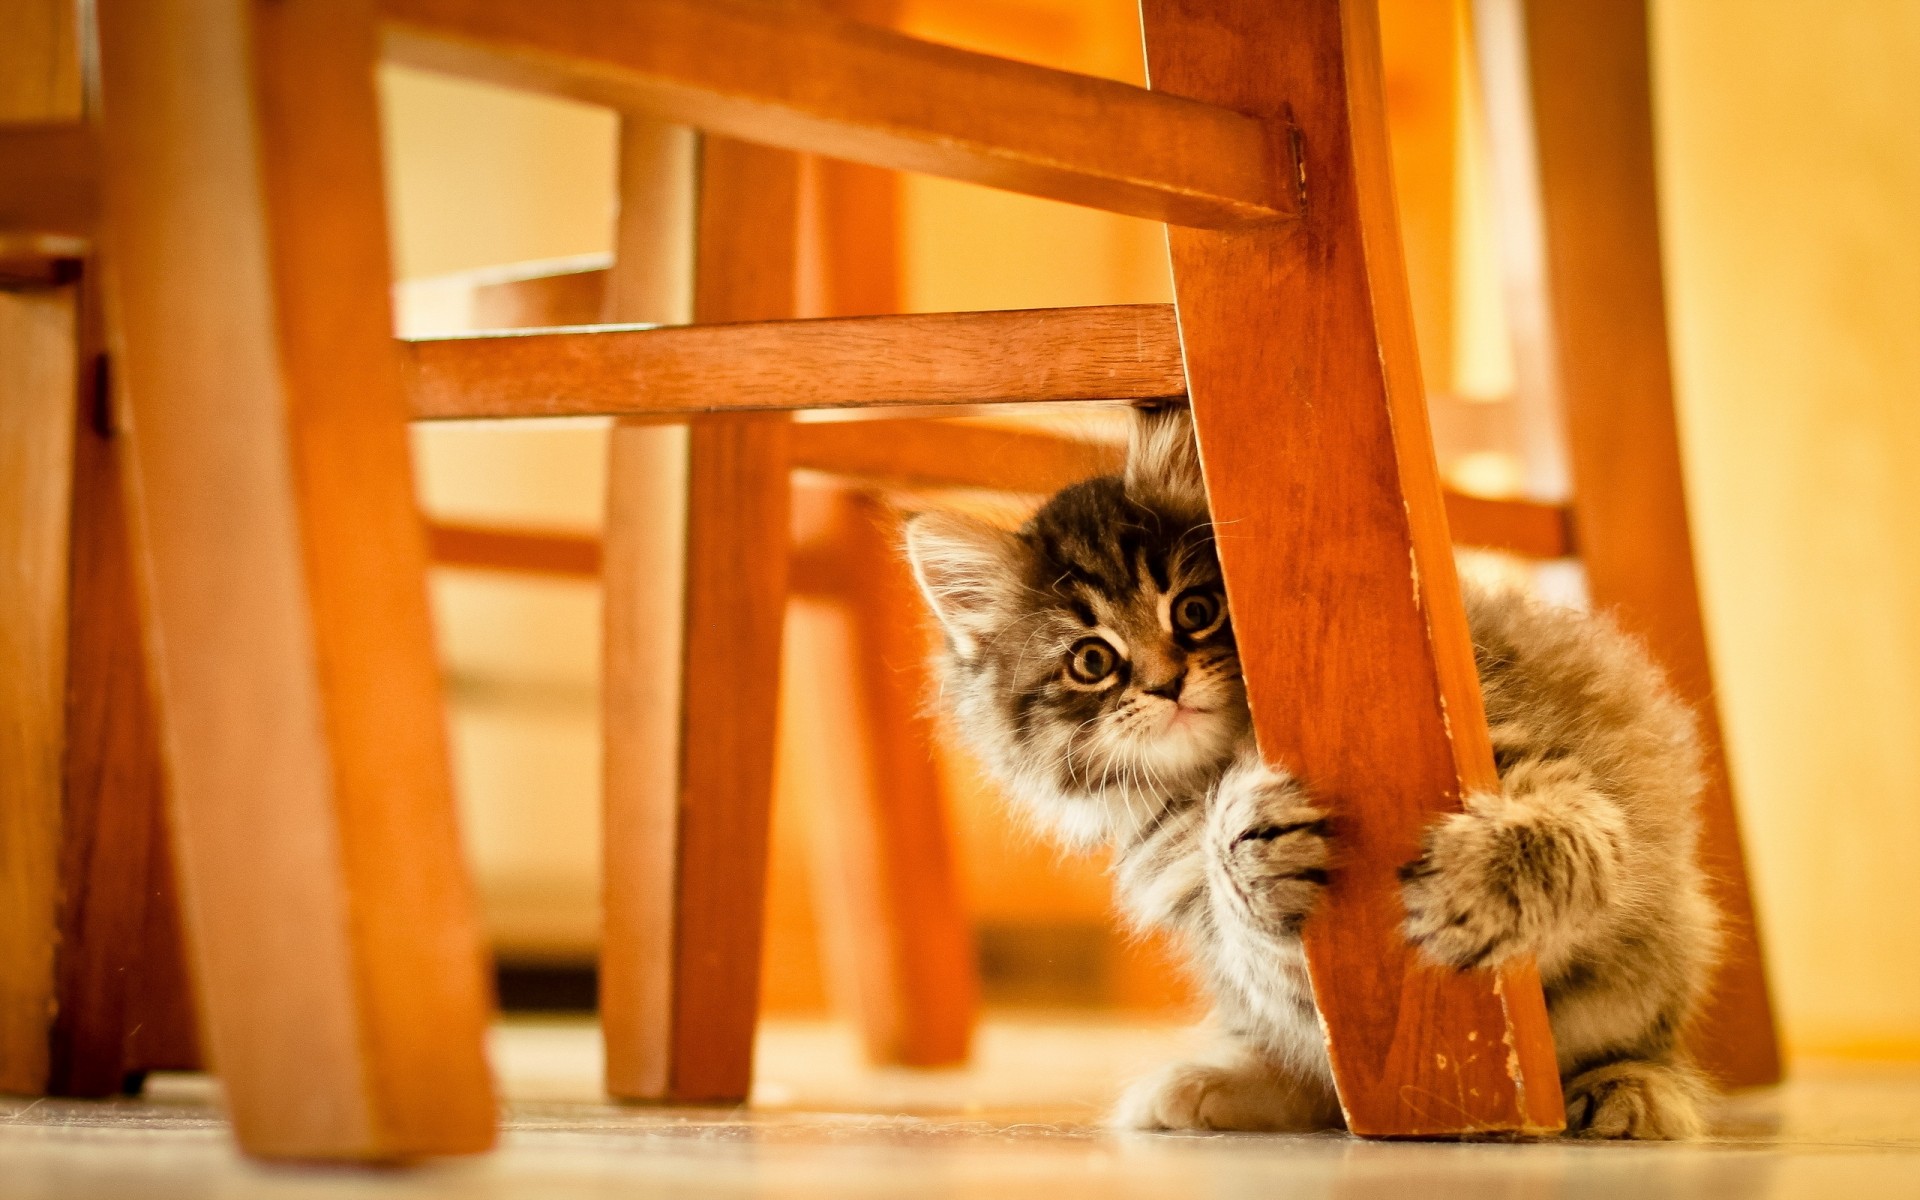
{"x": 1090, "y": 662}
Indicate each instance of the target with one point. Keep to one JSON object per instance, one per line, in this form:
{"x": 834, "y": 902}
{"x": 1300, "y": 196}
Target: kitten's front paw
{"x": 1460, "y": 911}
{"x": 1272, "y": 843}
{"x": 1204, "y": 1096}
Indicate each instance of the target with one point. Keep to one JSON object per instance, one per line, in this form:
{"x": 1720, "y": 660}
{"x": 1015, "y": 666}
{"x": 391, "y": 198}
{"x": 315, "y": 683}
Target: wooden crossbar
{"x": 792, "y": 76}
{"x": 1124, "y": 352}
{"x": 937, "y": 454}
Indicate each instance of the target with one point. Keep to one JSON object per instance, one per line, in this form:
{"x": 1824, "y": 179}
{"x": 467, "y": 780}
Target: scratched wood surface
{"x": 1603, "y": 355}
{"x": 333, "y": 929}
{"x": 867, "y": 95}
{"x": 1302, "y": 367}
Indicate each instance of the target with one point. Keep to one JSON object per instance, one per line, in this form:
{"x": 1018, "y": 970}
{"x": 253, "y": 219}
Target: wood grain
{"x": 38, "y": 359}
{"x": 1302, "y": 369}
{"x": 1119, "y": 352}
{"x": 866, "y": 95}
{"x": 333, "y": 929}
{"x": 112, "y": 790}
{"x": 1603, "y": 351}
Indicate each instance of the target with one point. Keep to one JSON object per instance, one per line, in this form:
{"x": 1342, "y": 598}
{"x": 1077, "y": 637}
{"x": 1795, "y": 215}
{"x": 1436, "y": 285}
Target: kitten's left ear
{"x": 967, "y": 570}
{"x": 1163, "y": 459}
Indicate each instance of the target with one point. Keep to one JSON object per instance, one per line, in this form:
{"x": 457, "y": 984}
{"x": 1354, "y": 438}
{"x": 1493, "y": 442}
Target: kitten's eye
{"x": 1196, "y": 610}
{"x": 1091, "y": 660}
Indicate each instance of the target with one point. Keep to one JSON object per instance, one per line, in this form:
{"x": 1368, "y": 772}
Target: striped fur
{"x": 1079, "y": 666}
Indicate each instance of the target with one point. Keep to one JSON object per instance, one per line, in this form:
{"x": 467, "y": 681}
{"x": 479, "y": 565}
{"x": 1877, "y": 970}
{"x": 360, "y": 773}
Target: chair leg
{"x": 113, "y": 780}
{"x": 892, "y": 888}
{"x": 681, "y": 958}
{"x": 38, "y": 356}
{"x": 1600, "y": 353}
{"x": 1306, "y": 392}
{"x": 334, "y": 932}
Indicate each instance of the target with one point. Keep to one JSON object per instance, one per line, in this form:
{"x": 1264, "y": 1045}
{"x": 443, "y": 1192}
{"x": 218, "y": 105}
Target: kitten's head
{"x": 1089, "y": 654}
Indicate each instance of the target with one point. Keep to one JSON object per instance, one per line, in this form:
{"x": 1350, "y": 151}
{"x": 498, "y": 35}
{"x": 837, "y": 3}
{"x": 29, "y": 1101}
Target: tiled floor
{"x": 1020, "y": 1123}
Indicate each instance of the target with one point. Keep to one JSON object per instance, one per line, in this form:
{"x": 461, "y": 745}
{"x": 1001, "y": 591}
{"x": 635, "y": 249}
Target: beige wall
{"x": 1792, "y": 173}
{"x": 1792, "y": 169}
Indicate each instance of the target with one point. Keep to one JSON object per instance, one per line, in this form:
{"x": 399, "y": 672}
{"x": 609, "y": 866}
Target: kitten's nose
{"x": 1169, "y": 688}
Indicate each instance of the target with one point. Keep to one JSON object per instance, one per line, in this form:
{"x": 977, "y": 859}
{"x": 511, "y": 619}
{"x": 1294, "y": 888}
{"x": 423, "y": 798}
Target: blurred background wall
{"x": 1791, "y": 202}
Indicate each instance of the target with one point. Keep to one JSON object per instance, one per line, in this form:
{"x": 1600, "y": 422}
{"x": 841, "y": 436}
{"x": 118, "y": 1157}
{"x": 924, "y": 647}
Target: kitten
{"x": 1090, "y": 663}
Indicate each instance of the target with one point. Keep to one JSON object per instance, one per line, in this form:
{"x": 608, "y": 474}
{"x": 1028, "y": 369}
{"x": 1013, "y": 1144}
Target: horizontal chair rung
{"x": 1124, "y": 352}
{"x": 793, "y": 76}
{"x": 939, "y": 454}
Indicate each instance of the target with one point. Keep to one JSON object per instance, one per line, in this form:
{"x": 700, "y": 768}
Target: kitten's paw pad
{"x": 1273, "y": 844}
{"x": 1636, "y": 1101}
{"x": 1459, "y": 910}
{"x": 1202, "y": 1096}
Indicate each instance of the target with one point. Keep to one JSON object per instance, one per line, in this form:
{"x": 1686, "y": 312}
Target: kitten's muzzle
{"x": 1169, "y": 688}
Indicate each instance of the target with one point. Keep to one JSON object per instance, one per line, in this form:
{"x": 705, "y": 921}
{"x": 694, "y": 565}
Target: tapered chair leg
{"x": 681, "y": 960}
{"x": 333, "y": 930}
{"x": 1594, "y": 349}
{"x": 1305, "y": 388}
{"x": 892, "y": 900}
{"x": 39, "y": 354}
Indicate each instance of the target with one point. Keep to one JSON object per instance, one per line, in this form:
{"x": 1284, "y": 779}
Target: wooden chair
{"x": 1629, "y": 501}
{"x": 247, "y": 262}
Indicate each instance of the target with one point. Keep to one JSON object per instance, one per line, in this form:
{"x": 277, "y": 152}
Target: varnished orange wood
{"x": 113, "y": 786}
{"x": 1420, "y": 50}
{"x": 332, "y": 926}
{"x": 1305, "y": 387}
{"x": 1062, "y": 354}
{"x": 523, "y": 551}
{"x": 924, "y": 453}
{"x": 921, "y": 453}
{"x": 39, "y": 359}
{"x": 644, "y": 635}
{"x": 689, "y": 1037}
{"x": 47, "y": 178}
{"x": 867, "y": 95}
{"x": 161, "y": 1014}
{"x": 894, "y": 879}
{"x": 1602, "y": 350}
{"x": 1119, "y": 352}
{"x": 562, "y": 298}
{"x": 39, "y": 333}
{"x": 40, "y": 61}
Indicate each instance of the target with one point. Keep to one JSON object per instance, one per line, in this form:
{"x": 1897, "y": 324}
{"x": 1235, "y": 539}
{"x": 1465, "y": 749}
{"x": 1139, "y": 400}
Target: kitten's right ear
{"x": 967, "y": 570}
{"x": 1163, "y": 459}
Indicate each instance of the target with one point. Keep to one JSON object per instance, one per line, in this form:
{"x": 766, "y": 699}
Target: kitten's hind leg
{"x": 1245, "y": 1092}
{"x": 1637, "y": 1099}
